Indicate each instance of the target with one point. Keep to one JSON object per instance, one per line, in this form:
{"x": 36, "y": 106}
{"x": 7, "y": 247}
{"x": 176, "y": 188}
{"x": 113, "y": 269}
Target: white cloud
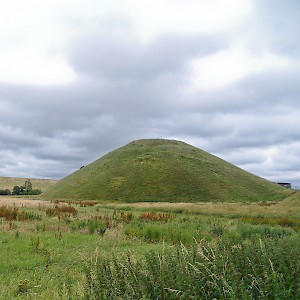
{"x": 26, "y": 66}
{"x": 156, "y": 17}
{"x": 32, "y": 42}
{"x": 35, "y": 33}
{"x": 230, "y": 65}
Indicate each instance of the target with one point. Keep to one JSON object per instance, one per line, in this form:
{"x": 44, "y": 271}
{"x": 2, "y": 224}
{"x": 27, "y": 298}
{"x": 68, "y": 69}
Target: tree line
{"x": 25, "y": 189}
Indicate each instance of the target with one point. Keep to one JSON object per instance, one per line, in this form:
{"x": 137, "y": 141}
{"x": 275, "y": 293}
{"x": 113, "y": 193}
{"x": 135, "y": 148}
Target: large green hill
{"x": 164, "y": 170}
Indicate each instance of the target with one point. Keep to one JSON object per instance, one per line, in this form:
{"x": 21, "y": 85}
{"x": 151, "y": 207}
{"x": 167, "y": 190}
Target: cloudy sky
{"x": 79, "y": 78}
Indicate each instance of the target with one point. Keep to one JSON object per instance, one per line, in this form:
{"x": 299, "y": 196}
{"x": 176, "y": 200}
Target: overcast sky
{"x": 79, "y": 78}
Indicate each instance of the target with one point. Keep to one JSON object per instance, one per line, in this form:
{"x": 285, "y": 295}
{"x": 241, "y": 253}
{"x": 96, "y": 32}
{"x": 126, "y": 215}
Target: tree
{"x": 27, "y": 187}
{"x": 5, "y": 192}
{"x": 16, "y": 190}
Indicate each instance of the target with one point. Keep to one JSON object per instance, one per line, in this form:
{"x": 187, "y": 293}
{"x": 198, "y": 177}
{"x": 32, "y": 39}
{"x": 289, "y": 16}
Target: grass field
{"x": 90, "y": 250}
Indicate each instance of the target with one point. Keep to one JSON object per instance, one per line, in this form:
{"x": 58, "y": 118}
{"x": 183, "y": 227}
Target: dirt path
{"x": 11, "y": 201}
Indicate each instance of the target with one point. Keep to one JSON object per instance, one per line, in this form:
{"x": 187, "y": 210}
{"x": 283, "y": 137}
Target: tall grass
{"x": 285, "y": 221}
{"x": 156, "y": 232}
{"x": 250, "y": 270}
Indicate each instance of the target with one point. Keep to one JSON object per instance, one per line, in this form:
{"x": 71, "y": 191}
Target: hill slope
{"x": 163, "y": 170}
{"x": 10, "y": 182}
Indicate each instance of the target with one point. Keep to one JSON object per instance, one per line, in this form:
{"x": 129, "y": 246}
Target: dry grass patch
{"x": 23, "y": 202}
{"x": 285, "y": 208}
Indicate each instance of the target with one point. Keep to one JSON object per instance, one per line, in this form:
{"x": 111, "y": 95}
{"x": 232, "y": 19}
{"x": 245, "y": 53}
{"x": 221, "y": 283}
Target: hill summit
{"x": 164, "y": 170}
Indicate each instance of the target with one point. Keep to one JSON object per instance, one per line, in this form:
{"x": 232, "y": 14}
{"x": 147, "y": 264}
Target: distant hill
{"x": 10, "y": 182}
{"x": 164, "y": 170}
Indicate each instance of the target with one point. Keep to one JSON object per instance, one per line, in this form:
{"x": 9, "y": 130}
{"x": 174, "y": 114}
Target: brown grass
{"x": 286, "y": 208}
{"x": 63, "y": 211}
{"x": 25, "y": 202}
{"x": 151, "y": 216}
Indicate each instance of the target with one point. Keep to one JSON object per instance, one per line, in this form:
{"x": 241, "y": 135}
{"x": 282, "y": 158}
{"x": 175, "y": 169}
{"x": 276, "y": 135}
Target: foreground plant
{"x": 259, "y": 270}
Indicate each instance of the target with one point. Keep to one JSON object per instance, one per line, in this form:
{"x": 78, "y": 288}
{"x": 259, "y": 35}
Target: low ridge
{"x": 37, "y": 183}
{"x": 164, "y": 170}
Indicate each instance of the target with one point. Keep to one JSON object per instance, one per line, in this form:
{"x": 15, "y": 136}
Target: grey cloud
{"x": 115, "y": 57}
{"x": 276, "y": 163}
{"x": 280, "y": 20}
{"x": 275, "y": 88}
{"x": 128, "y": 90}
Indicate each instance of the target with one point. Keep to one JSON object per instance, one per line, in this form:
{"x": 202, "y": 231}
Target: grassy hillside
{"x": 164, "y": 170}
{"x": 10, "y": 182}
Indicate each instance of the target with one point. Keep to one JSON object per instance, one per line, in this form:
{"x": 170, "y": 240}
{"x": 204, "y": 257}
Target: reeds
{"x": 152, "y": 216}
{"x": 256, "y": 270}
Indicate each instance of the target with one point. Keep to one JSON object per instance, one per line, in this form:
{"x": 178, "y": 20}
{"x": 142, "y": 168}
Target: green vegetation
{"x": 249, "y": 270}
{"x": 25, "y": 189}
{"x": 8, "y": 183}
{"x": 164, "y": 170}
{"x": 212, "y": 231}
{"x": 5, "y": 192}
{"x": 68, "y": 250}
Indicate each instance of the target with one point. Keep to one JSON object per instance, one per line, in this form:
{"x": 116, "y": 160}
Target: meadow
{"x": 93, "y": 250}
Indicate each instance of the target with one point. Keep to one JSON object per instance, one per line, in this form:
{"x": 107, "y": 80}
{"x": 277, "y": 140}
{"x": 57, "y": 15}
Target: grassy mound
{"x": 164, "y": 170}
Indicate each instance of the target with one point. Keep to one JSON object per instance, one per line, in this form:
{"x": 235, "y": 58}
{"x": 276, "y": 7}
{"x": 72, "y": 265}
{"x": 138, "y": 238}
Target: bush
{"x": 5, "y": 192}
{"x": 35, "y": 192}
